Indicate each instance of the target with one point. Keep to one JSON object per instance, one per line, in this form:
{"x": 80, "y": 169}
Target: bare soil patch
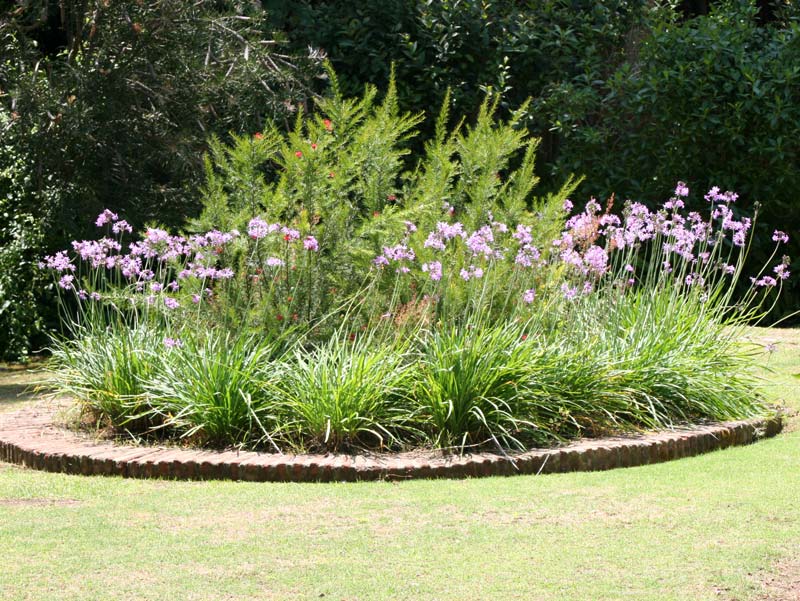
{"x": 782, "y": 582}
{"x": 38, "y": 502}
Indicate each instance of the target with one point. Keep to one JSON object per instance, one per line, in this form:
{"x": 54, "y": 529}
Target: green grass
{"x": 710, "y": 527}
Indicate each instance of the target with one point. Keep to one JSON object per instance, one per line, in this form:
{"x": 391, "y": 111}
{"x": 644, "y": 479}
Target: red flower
{"x": 391, "y": 198}
{"x": 279, "y": 317}
{"x": 258, "y": 135}
{"x": 524, "y": 336}
{"x": 327, "y": 123}
{"x": 376, "y": 213}
{"x": 351, "y": 337}
{"x": 313, "y": 146}
{"x": 331, "y": 175}
{"x": 298, "y": 154}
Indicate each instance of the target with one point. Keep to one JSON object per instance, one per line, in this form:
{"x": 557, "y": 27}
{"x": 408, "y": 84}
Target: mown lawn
{"x": 720, "y": 526}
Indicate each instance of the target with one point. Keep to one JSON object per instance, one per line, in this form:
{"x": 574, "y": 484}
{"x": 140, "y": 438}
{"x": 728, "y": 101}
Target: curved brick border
{"x": 29, "y": 437}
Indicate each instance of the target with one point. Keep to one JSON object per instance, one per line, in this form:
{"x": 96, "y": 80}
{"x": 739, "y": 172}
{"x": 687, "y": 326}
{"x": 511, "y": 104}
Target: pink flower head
{"x": 59, "y": 261}
{"x": 105, "y": 217}
{"x": 289, "y": 234}
{"x": 523, "y": 234}
{"x": 568, "y": 291}
{"x": 779, "y": 236}
{"x": 596, "y": 259}
{"x": 66, "y": 281}
{"x": 766, "y": 281}
{"x": 781, "y": 271}
{"x": 715, "y": 196}
{"x": 470, "y": 273}
{"x": 480, "y": 242}
{"x": 434, "y": 269}
{"x": 121, "y": 226}
{"x": 310, "y": 243}
{"x": 399, "y": 252}
{"x": 528, "y": 296}
{"x": 681, "y": 190}
{"x": 257, "y": 228}
{"x": 447, "y": 231}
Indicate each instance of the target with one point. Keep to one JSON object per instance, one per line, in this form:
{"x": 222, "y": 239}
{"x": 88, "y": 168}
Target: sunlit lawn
{"x": 717, "y": 526}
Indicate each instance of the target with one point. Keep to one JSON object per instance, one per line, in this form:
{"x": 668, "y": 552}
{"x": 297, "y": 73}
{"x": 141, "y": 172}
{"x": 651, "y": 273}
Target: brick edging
{"x": 29, "y": 437}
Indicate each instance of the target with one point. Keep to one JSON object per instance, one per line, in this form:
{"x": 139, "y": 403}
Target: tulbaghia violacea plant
{"x": 170, "y": 276}
{"x": 500, "y": 267}
{"x": 496, "y": 337}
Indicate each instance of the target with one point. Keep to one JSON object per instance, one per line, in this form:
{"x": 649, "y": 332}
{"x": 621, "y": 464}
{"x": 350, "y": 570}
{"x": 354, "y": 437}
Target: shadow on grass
{"x": 13, "y": 393}
{"x": 18, "y": 387}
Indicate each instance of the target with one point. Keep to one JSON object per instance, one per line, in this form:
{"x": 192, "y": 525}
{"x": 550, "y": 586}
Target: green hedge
{"x": 517, "y": 48}
{"x": 634, "y": 95}
{"x": 713, "y": 101}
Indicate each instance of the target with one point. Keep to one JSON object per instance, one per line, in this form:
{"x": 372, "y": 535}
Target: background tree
{"x": 110, "y": 104}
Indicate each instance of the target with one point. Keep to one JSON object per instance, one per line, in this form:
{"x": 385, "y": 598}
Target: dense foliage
{"x": 115, "y": 103}
{"x": 110, "y": 104}
{"x": 330, "y": 300}
{"x": 635, "y": 95}
{"x": 465, "y": 46}
{"x": 714, "y": 100}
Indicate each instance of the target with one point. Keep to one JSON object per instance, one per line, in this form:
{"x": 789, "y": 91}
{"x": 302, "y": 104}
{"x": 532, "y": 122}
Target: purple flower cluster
{"x": 58, "y": 262}
{"x": 444, "y": 232}
{"x": 596, "y": 260}
{"x": 106, "y": 217}
{"x": 160, "y": 264}
{"x": 398, "y": 253}
{"x": 780, "y": 237}
{"x": 433, "y": 269}
{"x": 470, "y": 273}
{"x": 480, "y": 243}
{"x": 258, "y": 228}
{"x": 173, "y": 342}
